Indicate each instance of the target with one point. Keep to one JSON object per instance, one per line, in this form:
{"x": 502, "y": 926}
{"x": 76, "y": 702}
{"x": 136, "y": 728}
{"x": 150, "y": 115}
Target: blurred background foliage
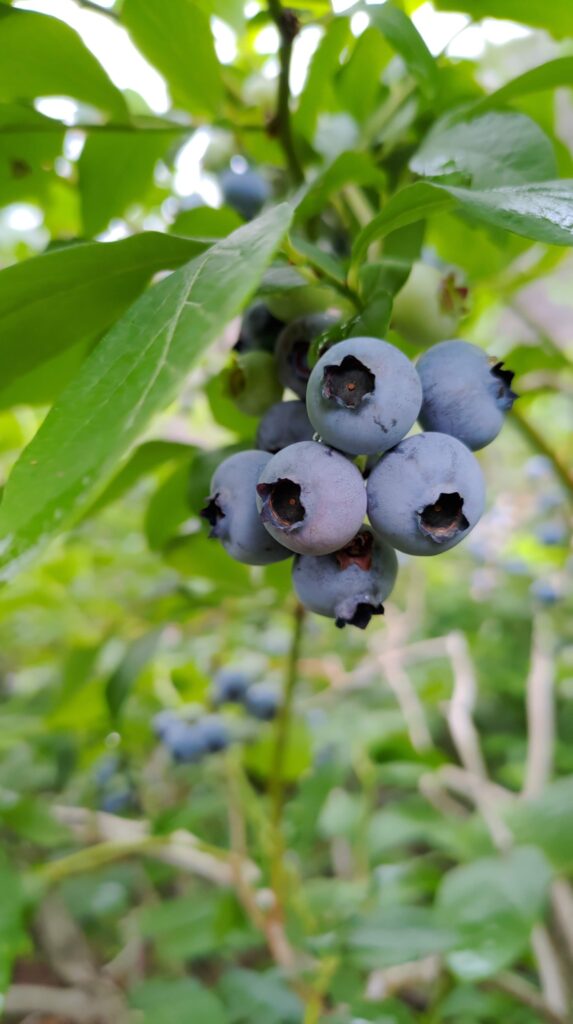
{"x": 419, "y": 869}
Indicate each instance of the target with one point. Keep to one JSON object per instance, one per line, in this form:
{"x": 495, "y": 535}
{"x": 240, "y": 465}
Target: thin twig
{"x": 522, "y": 990}
{"x": 540, "y": 710}
{"x": 537, "y": 440}
{"x": 117, "y": 837}
{"x": 287, "y": 25}
{"x": 410, "y": 704}
{"x": 91, "y": 6}
{"x": 277, "y": 782}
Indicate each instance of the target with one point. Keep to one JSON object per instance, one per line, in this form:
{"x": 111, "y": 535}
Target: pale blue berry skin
{"x": 230, "y": 686}
{"x": 327, "y": 588}
{"x": 383, "y": 416}
{"x": 184, "y": 742}
{"x": 295, "y": 338}
{"x": 332, "y": 493}
{"x": 239, "y": 527}
{"x": 262, "y": 702}
{"x": 246, "y": 193}
{"x": 412, "y": 477}
{"x": 163, "y": 721}
{"x": 463, "y": 394}
{"x": 213, "y": 733}
{"x": 283, "y": 424}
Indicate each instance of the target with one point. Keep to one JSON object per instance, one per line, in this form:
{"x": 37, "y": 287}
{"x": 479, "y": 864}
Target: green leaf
{"x": 413, "y": 203}
{"x": 318, "y": 86}
{"x": 541, "y": 211}
{"x": 168, "y": 508}
{"x": 259, "y": 756}
{"x": 255, "y": 998}
{"x": 134, "y": 372}
{"x": 556, "y": 17}
{"x": 67, "y": 295}
{"x": 13, "y": 939}
{"x": 42, "y": 56}
{"x": 206, "y": 222}
{"x": 176, "y": 38}
{"x": 358, "y": 84}
{"x": 123, "y": 679}
{"x": 171, "y": 1001}
{"x": 402, "y": 35}
{"x": 547, "y": 822}
{"x": 396, "y": 935}
{"x": 115, "y": 170}
{"x": 144, "y": 460}
{"x": 551, "y": 75}
{"x": 493, "y": 904}
{"x": 357, "y": 168}
{"x": 31, "y": 818}
{"x": 489, "y": 151}
{"x": 29, "y": 145}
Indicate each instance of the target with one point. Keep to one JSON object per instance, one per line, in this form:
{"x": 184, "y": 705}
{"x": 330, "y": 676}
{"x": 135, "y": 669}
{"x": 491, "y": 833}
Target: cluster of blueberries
{"x": 303, "y": 491}
{"x": 190, "y": 740}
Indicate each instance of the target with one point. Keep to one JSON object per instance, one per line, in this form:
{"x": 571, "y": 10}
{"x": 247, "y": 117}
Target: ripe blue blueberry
{"x": 114, "y": 803}
{"x": 229, "y": 686}
{"x": 262, "y": 702}
{"x": 232, "y": 510}
{"x": 311, "y": 498}
{"x": 185, "y": 742}
{"x": 552, "y": 533}
{"x": 259, "y": 330}
{"x": 426, "y": 495}
{"x": 465, "y": 392}
{"x": 246, "y": 193}
{"x": 163, "y": 721}
{"x": 348, "y": 585}
{"x": 545, "y": 592}
{"x": 283, "y": 424}
{"x": 292, "y": 348}
{"x": 213, "y": 733}
{"x": 363, "y": 396}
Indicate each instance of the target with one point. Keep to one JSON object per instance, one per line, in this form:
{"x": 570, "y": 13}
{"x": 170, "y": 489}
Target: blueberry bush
{"x": 285, "y": 309}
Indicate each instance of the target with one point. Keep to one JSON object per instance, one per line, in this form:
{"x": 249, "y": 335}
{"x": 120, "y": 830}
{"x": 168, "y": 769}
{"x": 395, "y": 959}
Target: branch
{"x": 108, "y": 12}
{"x": 70, "y": 1004}
{"x": 537, "y": 441}
{"x": 540, "y": 711}
{"x": 117, "y": 837}
{"x": 287, "y": 25}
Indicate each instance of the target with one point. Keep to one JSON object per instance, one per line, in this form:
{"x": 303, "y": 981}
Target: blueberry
{"x": 232, "y": 510}
{"x": 466, "y": 393}
{"x": 262, "y": 702}
{"x": 363, "y": 396}
{"x": 259, "y": 330}
{"x": 246, "y": 193}
{"x": 113, "y": 803}
{"x": 292, "y": 348}
{"x": 348, "y": 585}
{"x": 283, "y": 424}
{"x": 426, "y": 494}
{"x": 229, "y": 686}
{"x": 545, "y": 592}
{"x": 106, "y": 768}
{"x": 213, "y": 733}
{"x": 551, "y": 534}
{"x": 185, "y": 742}
{"x": 163, "y": 721}
{"x": 311, "y": 498}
